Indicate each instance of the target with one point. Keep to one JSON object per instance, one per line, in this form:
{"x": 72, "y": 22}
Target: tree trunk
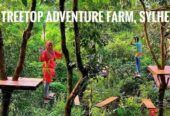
{"x": 147, "y": 38}
{"x": 163, "y": 84}
{"x": 66, "y": 52}
{"x": 162, "y": 89}
{"x": 6, "y": 94}
{"x": 162, "y": 46}
{"x": 77, "y": 41}
{"x": 26, "y": 36}
{"x": 69, "y": 81}
{"x": 2, "y": 61}
{"x": 79, "y": 88}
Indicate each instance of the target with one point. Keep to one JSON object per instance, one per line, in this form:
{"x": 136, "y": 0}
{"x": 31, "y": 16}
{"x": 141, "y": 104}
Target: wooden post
{"x": 6, "y": 99}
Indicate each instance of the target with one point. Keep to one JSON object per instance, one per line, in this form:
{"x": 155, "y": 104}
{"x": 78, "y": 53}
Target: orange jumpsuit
{"x": 49, "y": 64}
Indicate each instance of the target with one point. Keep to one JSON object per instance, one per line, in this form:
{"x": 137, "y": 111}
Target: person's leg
{"x": 46, "y": 89}
{"x": 137, "y": 64}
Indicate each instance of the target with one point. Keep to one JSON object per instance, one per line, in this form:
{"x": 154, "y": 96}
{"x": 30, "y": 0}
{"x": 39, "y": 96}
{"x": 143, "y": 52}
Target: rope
{"x": 44, "y": 30}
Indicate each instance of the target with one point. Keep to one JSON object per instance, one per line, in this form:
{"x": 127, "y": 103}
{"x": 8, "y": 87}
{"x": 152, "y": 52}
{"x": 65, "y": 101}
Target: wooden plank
{"x": 148, "y": 104}
{"x": 76, "y": 100}
{"x": 106, "y": 102}
{"x": 155, "y": 71}
{"x": 52, "y": 95}
{"x": 46, "y": 101}
{"x": 167, "y": 76}
{"x": 157, "y": 82}
{"x": 22, "y": 83}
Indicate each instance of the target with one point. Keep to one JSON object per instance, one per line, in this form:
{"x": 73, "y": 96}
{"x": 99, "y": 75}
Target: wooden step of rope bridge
{"x": 107, "y": 102}
{"x": 156, "y": 72}
{"x": 150, "y": 106}
{"x": 22, "y": 83}
{"x": 52, "y": 98}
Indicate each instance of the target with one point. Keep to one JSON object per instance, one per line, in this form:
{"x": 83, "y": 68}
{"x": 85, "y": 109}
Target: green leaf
{"x": 24, "y": 2}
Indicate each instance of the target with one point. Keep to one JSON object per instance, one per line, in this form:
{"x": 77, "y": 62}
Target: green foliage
{"x": 61, "y": 73}
{"x": 24, "y": 2}
{"x": 131, "y": 87}
{"x": 58, "y": 109}
{"x": 58, "y": 87}
{"x": 121, "y": 111}
{"x": 102, "y": 44}
{"x": 97, "y": 111}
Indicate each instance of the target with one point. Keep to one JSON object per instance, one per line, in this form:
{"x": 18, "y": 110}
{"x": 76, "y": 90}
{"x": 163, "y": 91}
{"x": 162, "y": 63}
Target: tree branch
{"x": 26, "y": 36}
{"x": 77, "y": 41}
{"x": 77, "y": 89}
{"x": 162, "y": 45}
{"x": 147, "y": 38}
{"x": 161, "y": 9}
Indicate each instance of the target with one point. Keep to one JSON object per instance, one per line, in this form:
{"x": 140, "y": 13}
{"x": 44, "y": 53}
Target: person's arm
{"x": 42, "y": 57}
{"x": 58, "y": 55}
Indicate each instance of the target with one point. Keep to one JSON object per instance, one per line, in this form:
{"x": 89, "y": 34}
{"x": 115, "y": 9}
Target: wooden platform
{"x": 156, "y": 72}
{"x": 148, "y": 104}
{"x": 106, "y": 102}
{"x": 21, "y": 84}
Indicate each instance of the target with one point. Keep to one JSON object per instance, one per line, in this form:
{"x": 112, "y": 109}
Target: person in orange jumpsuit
{"x": 48, "y": 57}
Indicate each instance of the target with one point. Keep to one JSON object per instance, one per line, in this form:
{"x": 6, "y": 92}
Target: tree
{"x": 161, "y": 66}
{"x": 5, "y": 104}
{"x": 26, "y": 36}
{"x": 65, "y": 51}
{"x": 2, "y": 61}
{"x": 84, "y": 72}
{"x": 7, "y": 93}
